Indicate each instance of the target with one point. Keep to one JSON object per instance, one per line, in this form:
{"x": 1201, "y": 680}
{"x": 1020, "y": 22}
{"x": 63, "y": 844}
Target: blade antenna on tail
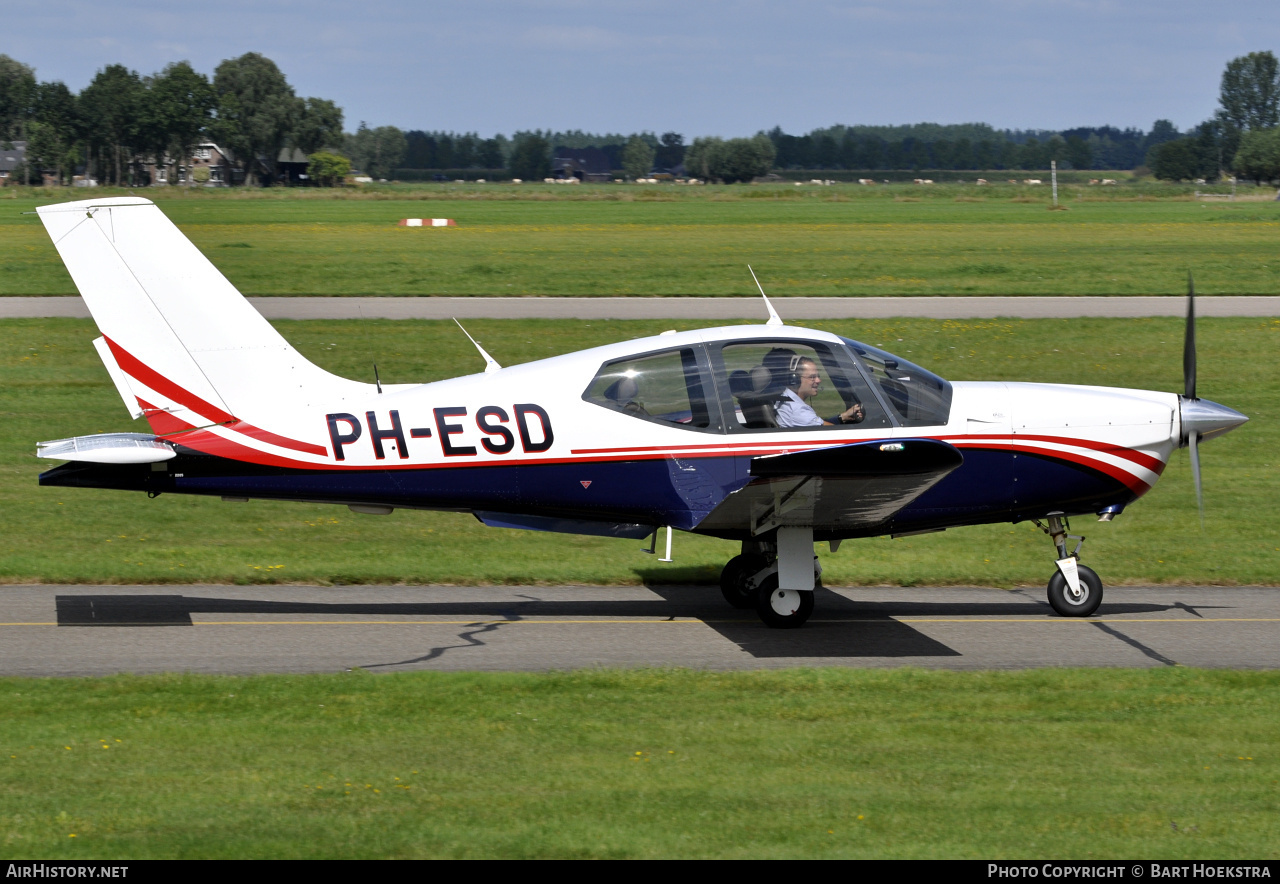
{"x": 774, "y": 318}
{"x": 1189, "y": 389}
{"x": 490, "y": 364}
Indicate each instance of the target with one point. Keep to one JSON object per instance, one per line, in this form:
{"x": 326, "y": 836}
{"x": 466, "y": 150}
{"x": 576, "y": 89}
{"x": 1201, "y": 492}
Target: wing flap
{"x": 841, "y": 488}
{"x": 893, "y": 457}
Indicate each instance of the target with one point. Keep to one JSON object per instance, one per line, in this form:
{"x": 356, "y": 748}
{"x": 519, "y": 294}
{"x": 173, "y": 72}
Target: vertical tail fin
{"x": 188, "y": 342}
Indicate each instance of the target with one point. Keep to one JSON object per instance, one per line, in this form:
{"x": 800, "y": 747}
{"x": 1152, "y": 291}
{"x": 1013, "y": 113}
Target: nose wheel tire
{"x": 783, "y": 608}
{"x": 1068, "y": 604}
{"x": 734, "y": 581}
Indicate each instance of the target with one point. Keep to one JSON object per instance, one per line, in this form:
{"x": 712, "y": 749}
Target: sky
{"x": 697, "y": 68}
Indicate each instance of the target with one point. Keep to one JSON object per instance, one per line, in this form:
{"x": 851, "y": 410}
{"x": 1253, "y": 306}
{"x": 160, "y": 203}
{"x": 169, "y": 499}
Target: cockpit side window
{"x": 665, "y": 387}
{"x": 792, "y": 384}
{"x": 920, "y": 398}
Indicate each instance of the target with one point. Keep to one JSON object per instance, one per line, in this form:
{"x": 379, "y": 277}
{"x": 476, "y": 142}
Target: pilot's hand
{"x": 853, "y": 415}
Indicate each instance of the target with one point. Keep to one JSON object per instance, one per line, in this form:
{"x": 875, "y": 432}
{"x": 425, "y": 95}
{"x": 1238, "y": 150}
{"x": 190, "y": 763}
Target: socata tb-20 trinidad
{"x": 693, "y": 430}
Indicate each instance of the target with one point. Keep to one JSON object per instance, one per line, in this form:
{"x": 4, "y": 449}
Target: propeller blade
{"x": 1189, "y": 342}
{"x": 1193, "y": 445}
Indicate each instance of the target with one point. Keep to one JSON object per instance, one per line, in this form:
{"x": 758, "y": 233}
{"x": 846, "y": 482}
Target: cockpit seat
{"x": 622, "y": 394}
{"x": 757, "y": 395}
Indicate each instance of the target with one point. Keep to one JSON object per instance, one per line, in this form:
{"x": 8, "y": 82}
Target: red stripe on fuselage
{"x": 1130, "y": 481}
{"x": 280, "y": 441}
{"x": 162, "y": 422}
{"x": 211, "y": 443}
{"x": 1145, "y": 460}
{"x": 158, "y": 382}
{"x": 1137, "y": 457}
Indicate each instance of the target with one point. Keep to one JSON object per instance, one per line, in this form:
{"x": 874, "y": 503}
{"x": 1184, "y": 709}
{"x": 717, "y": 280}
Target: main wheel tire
{"x": 1090, "y": 593}
{"x": 783, "y": 608}
{"x": 733, "y": 581}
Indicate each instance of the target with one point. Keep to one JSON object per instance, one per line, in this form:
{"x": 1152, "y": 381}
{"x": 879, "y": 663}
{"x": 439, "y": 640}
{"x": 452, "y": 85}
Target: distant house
{"x": 206, "y": 155}
{"x": 219, "y": 162}
{"x": 291, "y": 166}
{"x": 10, "y": 159}
{"x": 583, "y": 163}
{"x": 15, "y": 155}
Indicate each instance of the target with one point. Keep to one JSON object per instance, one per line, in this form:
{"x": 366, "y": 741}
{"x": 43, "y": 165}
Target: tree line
{"x": 122, "y": 121}
{"x": 971, "y": 146}
{"x": 1242, "y": 137}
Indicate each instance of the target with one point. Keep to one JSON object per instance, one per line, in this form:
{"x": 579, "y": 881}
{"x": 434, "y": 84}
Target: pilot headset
{"x": 793, "y": 371}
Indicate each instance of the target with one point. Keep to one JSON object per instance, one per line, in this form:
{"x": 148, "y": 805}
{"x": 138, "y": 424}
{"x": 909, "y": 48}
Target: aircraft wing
{"x": 841, "y": 488}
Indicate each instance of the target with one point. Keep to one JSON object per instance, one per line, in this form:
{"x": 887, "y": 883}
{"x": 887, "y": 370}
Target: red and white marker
{"x": 428, "y": 222}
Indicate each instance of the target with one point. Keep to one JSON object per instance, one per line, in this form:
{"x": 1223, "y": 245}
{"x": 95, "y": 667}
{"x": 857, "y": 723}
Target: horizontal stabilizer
{"x": 114, "y": 448}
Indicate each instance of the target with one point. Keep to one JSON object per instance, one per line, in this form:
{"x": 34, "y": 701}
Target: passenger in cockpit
{"x": 802, "y": 381}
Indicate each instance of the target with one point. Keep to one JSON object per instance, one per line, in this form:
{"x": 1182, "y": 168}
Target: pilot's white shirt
{"x": 795, "y": 412}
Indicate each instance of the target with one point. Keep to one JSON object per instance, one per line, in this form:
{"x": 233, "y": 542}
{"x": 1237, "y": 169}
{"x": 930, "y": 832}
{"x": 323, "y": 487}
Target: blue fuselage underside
{"x": 990, "y": 486}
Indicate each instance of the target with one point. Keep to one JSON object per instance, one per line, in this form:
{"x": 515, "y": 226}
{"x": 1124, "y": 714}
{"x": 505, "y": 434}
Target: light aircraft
{"x": 683, "y": 430}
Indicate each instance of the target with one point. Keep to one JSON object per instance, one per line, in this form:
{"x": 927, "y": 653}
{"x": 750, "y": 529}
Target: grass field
{"x": 52, "y": 385}
{"x": 627, "y": 240}
{"x": 1168, "y": 763}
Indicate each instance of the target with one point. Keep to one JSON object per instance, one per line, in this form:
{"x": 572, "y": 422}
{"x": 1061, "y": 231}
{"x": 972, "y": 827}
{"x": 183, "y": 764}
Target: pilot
{"x": 803, "y": 382}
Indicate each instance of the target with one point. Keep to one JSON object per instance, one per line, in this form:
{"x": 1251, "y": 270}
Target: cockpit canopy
{"x": 761, "y": 384}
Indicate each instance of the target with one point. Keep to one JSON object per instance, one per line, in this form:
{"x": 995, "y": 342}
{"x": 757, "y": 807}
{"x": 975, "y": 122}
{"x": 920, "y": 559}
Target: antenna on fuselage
{"x": 490, "y": 364}
{"x": 774, "y": 318}
{"x": 377, "y": 381}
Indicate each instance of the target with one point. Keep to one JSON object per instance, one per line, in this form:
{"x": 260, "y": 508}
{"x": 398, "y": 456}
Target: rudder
{"x": 176, "y": 326}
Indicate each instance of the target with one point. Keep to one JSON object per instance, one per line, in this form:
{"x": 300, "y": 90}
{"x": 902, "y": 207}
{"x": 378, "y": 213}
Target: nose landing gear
{"x": 1075, "y": 590}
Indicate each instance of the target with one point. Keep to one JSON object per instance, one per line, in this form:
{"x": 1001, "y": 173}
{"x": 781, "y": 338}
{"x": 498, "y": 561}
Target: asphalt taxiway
{"x": 96, "y": 630}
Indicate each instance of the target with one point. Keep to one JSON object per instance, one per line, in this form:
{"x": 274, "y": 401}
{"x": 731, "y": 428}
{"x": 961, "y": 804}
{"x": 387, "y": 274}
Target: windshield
{"x": 918, "y": 397}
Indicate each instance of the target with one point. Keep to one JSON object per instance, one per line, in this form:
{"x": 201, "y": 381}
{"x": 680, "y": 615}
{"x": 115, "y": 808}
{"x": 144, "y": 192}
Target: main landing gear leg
{"x": 775, "y": 578}
{"x": 1074, "y": 589}
{"x": 785, "y": 598}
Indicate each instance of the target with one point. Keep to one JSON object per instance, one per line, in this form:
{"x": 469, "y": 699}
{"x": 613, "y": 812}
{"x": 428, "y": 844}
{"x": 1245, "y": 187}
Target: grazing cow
{"x": 1093, "y": 180}
{"x": 866, "y": 181}
{"x": 1032, "y": 181}
{"x": 1106, "y": 181}
{"x": 1013, "y": 180}
{"x": 981, "y": 181}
